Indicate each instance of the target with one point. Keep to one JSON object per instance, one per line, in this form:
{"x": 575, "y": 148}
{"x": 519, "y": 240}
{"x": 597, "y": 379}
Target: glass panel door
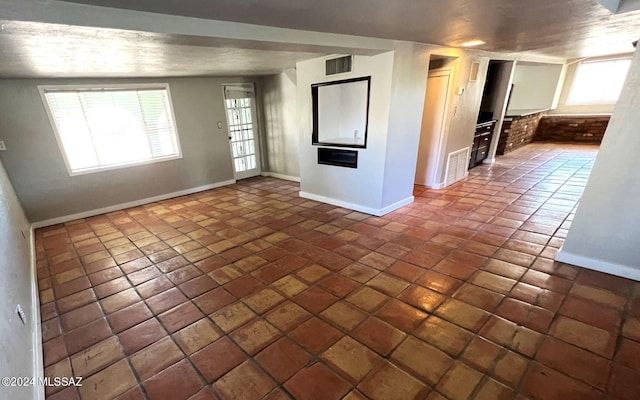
{"x": 240, "y": 106}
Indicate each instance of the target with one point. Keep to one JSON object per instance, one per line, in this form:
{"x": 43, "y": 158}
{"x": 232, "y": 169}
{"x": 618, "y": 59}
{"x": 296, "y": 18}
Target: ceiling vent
{"x": 339, "y": 65}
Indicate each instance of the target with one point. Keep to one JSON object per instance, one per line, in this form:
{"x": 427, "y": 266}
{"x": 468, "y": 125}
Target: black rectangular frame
{"x": 338, "y": 157}
{"x": 314, "y": 95}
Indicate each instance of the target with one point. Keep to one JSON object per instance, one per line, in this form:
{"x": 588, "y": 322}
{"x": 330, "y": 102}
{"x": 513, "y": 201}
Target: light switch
{"x": 2, "y": 145}
{"x": 21, "y": 314}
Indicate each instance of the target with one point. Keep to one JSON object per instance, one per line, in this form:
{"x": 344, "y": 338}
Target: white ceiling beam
{"x": 60, "y": 12}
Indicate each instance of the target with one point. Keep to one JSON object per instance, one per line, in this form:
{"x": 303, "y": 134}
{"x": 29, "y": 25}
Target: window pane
{"x": 104, "y": 128}
{"x": 599, "y": 81}
{"x": 248, "y": 145}
{"x": 248, "y": 132}
{"x": 76, "y": 139}
{"x": 251, "y": 162}
{"x": 240, "y": 165}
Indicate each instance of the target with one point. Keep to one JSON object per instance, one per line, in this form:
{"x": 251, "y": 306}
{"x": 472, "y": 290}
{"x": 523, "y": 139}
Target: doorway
{"x": 240, "y": 105}
{"x": 493, "y": 107}
{"x": 433, "y": 125}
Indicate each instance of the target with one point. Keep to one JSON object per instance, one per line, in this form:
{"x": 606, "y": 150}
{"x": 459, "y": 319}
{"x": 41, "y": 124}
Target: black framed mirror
{"x": 341, "y": 112}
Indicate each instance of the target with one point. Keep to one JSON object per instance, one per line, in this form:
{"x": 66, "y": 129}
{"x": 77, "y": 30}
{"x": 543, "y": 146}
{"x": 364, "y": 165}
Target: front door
{"x": 241, "y": 118}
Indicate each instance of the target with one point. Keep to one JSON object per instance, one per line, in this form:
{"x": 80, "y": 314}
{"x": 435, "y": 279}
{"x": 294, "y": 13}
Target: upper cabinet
{"x": 535, "y": 87}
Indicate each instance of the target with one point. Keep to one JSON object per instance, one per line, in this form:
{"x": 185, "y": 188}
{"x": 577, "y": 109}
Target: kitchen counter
{"x": 486, "y": 123}
{"x": 524, "y": 113}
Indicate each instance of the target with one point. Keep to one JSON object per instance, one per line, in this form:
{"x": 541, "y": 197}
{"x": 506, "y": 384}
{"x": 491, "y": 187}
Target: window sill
{"x": 123, "y": 166}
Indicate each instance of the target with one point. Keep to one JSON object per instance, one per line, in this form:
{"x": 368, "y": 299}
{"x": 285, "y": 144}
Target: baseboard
{"x": 443, "y": 185}
{"x": 281, "y": 176}
{"x": 38, "y": 358}
{"x": 396, "y": 205}
{"x": 624, "y": 271}
{"x": 357, "y": 207}
{"x": 135, "y": 203}
{"x": 436, "y": 186}
{"x": 339, "y": 203}
{"x": 489, "y": 161}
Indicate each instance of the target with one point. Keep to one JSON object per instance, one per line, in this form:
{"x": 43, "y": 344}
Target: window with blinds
{"x": 107, "y": 128}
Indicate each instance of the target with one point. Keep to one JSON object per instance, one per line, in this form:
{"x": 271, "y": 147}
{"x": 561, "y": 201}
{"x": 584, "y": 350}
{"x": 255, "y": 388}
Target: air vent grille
{"x": 457, "y": 166}
{"x": 338, "y": 65}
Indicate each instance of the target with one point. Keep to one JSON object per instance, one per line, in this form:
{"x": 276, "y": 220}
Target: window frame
{"x": 43, "y": 89}
{"x": 569, "y": 102}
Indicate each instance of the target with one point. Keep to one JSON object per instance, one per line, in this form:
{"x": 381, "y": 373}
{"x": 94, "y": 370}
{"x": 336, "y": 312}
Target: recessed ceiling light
{"x": 472, "y": 43}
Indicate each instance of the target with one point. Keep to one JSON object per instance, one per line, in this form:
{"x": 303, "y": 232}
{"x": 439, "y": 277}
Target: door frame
{"x": 439, "y": 140}
{"x": 507, "y": 87}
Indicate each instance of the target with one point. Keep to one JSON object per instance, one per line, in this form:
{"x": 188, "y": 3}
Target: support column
{"x": 605, "y": 233}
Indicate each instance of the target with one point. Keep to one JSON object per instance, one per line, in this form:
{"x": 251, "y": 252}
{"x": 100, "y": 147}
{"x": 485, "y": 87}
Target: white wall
{"x": 410, "y": 71}
{"x": 359, "y": 188}
{"x": 281, "y": 129}
{"x": 535, "y": 86}
{"x": 17, "y": 341}
{"x": 605, "y": 233}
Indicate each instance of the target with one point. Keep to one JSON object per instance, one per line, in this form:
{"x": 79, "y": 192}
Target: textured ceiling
{"x": 31, "y": 49}
{"x": 53, "y": 45}
{"x": 565, "y": 28}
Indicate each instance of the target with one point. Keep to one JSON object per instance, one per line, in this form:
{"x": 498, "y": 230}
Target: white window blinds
{"x": 100, "y": 129}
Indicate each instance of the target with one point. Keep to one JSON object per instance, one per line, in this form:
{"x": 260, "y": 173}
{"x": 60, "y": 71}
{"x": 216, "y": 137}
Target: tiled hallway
{"x": 249, "y": 292}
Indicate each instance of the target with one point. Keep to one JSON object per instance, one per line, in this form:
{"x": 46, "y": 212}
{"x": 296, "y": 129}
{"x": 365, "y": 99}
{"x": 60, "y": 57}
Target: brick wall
{"x": 518, "y": 133}
{"x": 583, "y": 129}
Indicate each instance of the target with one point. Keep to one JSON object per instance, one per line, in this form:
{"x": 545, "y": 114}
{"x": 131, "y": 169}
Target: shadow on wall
{"x": 281, "y": 136}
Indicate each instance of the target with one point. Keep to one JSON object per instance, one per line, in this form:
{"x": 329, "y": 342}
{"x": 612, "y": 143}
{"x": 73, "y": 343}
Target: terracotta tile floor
{"x": 249, "y": 292}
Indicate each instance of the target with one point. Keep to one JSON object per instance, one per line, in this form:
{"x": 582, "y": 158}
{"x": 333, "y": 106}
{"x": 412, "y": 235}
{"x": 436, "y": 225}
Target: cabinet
{"x": 481, "y": 142}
